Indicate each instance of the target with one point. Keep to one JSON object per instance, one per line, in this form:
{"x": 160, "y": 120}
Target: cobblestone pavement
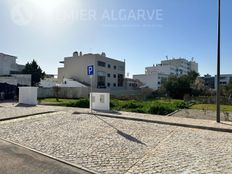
{"x": 202, "y": 114}
{"x": 108, "y": 145}
{"x": 11, "y": 110}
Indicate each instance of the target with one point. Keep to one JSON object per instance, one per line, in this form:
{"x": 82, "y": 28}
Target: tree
{"x": 177, "y": 87}
{"x": 36, "y": 72}
{"x": 227, "y": 90}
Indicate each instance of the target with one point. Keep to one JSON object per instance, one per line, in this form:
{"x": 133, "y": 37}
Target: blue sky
{"x": 48, "y": 30}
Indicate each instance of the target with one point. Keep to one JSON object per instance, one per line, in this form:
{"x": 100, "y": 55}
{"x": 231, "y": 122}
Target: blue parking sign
{"x": 90, "y": 70}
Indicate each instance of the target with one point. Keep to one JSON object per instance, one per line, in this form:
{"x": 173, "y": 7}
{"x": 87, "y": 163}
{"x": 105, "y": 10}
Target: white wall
{"x": 28, "y": 95}
{"x": 23, "y": 79}
{"x": 15, "y": 79}
{"x": 9, "y": 80}
{"x": 165, "y": 69}
{"x": 71, "y": 83}
{"x": 150, "y": 80}
{"x": 8, "y": 64}
{"x": 100, "y": 101}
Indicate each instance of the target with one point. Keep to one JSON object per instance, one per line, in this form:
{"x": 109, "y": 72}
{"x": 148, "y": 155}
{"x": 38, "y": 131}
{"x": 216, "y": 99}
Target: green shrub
{"x": 139, "y": 110}
{"x": 82, "y": 103}
{"x": 131, "y": 105}
{"x": 183, "y": 105}
{"x": 112, "y": 104}
{"x": 161, "y": 109}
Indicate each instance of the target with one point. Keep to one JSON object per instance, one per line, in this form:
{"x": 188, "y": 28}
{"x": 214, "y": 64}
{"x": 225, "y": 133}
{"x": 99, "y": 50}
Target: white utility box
{"x": 99, "y": 101}
{"x": 28, "y": 95}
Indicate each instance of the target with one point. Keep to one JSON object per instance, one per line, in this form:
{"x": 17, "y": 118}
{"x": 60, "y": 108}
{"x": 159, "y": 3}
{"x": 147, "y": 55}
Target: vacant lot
{"x": 212, "y": 107}
{"x": 161, "y": 107}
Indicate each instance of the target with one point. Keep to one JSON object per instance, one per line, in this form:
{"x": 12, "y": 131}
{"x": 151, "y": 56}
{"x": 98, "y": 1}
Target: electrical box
{"x": 100, "y": 101}
{"x": 28, "y": 95}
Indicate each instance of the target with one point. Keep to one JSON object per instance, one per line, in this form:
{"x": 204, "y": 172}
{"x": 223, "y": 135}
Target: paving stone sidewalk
{"x": 111, "y": 145}
{"x": 17, "y": 160}
{"x": 186, "y": 122}
{"x": 202, "y": 114}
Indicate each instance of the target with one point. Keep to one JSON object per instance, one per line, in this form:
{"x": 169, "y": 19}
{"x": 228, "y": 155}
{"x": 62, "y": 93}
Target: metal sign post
{"x": 218, "y": 62}
{"x": 90, "y": 72}
{"x": 91, "y": 90}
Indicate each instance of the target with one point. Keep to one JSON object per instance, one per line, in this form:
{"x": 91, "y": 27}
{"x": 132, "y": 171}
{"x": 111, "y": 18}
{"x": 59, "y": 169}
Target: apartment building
{"x": 156, "y": 74}
{"x": 10, "y": 71}
{"x": 173, "y": 66}
{"x": 8, "y": 64}
{"x": 108, "y": 73}
{"x": 209, "y": 81}
{"x": 224, "y": 79}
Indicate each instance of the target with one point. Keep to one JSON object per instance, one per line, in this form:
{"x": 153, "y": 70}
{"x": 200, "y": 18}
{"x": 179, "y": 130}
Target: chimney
{"x": 75, "y": 54}
{"x": 103, "y": 54}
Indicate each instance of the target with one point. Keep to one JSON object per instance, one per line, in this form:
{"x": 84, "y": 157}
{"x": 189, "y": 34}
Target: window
{"x": 114, "y": 84}
{"x": 109, "y": 66}
{"x": 121, "y": 68}
{"x": 101, "y": 79}
{"x": 108, "y": 75}
{"x": 115, "y": 76}
{"x": 101, "y": 82}
{"x": 115, "y": 67}
{"x": 120, "y": 80}
{"x": 100, "y": 63}
{"x": 108, "y": 84}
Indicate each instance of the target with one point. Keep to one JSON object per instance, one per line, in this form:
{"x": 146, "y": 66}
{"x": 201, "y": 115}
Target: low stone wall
{"x": 77, "y": 92}
{"x": 63, "y": 92}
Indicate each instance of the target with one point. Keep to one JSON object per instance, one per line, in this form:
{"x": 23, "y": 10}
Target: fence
{"x": 63, "y": 92}
{"x": 77, "y": 92}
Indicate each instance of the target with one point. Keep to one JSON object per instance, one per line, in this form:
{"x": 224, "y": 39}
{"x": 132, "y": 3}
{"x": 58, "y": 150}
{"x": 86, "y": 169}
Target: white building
{"x": 8, "y": 65}
{"x": 152, "y": 81}
{"x": 10, "y": 71}
{"x": 156, "y": 74}
{"x": 173, "y": 67}
{"x": 108, "y": 73}
{"x": 132, "y": 84}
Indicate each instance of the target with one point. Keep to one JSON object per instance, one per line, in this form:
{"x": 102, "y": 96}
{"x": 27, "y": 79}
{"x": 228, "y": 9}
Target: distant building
{"x": 8, "y": 65}
{"x": 152, "y": 81}
{"x": 209, "y": 81}
{"x": 132, "y": 83}
{"x": 10, "y": 71}
{"x": 108, "y": 73}
{"x": 177, "y": 67}
{"x": 224, "y": 79}
{"x": 156, "y": 74}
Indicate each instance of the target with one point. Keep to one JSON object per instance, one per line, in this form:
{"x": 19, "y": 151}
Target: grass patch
{"x": 212, "y": 107}
{"x": 161, "y": 107}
